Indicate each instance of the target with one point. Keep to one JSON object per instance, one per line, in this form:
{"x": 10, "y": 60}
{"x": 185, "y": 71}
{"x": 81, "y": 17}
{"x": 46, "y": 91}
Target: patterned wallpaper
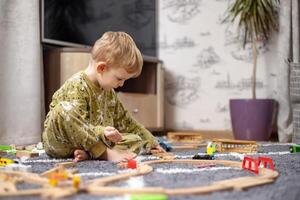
{"x": 206, "y": 64}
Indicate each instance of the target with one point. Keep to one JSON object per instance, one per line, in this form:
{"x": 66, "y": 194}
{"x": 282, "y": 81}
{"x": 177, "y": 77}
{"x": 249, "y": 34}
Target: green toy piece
{"x": 8, "y": 149}
{"x": 295, "y": 148}
{"x": 5, "y": 148}
{"x": 148, "y": 197}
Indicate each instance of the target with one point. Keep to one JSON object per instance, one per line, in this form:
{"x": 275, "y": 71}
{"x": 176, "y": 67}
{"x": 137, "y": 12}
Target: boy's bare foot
{"x": 80, "y": 155}
{"x": 117, "y": 155}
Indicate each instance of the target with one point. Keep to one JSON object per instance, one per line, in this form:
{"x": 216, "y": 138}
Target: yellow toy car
{"x": 6, "y": 161}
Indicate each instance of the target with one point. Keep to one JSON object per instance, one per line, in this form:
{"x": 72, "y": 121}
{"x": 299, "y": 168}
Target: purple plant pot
{"x": 252, "y": 119}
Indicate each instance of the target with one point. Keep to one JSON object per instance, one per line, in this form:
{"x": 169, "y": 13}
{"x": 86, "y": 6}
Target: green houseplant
{"x": 252, "y": 118}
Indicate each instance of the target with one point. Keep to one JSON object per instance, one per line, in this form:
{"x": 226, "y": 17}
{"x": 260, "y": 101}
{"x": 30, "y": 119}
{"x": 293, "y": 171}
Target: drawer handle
{"x": 135, "y": 110}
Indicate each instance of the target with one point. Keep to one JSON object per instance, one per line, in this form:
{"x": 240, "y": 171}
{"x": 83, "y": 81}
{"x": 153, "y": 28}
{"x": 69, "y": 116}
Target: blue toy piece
{"x": 167, "y": 147}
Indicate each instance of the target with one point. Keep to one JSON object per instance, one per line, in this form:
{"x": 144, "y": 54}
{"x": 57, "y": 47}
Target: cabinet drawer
{"x": 71, "y": 63}
{"x": 143, "y": 107}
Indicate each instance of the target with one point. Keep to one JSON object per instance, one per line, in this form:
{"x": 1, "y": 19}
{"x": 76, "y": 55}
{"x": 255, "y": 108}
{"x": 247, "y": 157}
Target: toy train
{"x": 295, "y": 148}
{"x": 167, "y": 147}
{"x": 203, "y": 157}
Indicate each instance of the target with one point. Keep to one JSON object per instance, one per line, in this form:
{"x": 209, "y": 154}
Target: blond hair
{"x": 118, "y": 49}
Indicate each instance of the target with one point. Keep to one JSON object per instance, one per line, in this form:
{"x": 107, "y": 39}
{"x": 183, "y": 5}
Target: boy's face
{"x": 112, "y": 78}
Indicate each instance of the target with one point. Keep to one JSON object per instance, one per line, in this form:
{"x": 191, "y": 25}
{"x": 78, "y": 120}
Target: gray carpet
{"x": 287, "y": 185}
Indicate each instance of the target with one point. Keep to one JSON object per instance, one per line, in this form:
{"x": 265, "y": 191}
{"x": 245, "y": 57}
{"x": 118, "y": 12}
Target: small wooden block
{"x": 20, "y": 147}
{"x": 2, "y": 152}
{"x": 30, "y": 147}
{"x": 122, "y": 165}
{"x": 26, "y": 154}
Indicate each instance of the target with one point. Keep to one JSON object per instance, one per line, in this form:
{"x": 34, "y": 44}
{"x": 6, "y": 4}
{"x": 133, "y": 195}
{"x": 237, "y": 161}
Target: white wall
{"x": 206, "y": 64}
{"x": 21, "y": 91}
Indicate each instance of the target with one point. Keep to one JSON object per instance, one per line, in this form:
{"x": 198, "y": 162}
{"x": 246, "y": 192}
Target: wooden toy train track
{"x": 99, "y": 186}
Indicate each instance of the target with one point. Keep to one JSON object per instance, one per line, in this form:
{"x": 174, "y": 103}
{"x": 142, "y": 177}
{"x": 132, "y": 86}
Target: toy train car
{"x": 167, "y": 147}
{"x": 295, "y": 148}
{"x": 203, "y": 157}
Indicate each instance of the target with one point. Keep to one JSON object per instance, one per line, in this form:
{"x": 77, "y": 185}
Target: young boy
{"x": 86, "y": 118}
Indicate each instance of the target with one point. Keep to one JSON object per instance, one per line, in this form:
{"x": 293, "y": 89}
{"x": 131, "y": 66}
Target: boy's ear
{"x": 101, "y": 67}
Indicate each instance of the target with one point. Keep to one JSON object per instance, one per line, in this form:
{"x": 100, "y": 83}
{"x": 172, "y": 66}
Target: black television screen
{"x": 78, "y": 23}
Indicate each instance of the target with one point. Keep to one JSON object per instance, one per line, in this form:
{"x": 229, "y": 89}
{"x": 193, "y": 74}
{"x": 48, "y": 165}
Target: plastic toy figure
{"x": 211, "y": 148}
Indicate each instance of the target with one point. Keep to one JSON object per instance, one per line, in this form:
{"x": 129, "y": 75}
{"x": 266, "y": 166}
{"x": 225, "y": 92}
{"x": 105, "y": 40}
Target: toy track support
{"x": 250, "y": 164}
{"x": 265, "y": 161}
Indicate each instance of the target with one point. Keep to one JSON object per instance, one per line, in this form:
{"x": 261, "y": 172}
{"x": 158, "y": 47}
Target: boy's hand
{"x": 112, "y": 134}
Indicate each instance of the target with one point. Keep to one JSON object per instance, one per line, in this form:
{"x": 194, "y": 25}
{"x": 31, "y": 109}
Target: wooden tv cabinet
{"x": 142, "y": 96}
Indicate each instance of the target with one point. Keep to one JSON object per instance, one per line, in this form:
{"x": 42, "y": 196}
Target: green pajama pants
{"x": 65, "y": 131}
